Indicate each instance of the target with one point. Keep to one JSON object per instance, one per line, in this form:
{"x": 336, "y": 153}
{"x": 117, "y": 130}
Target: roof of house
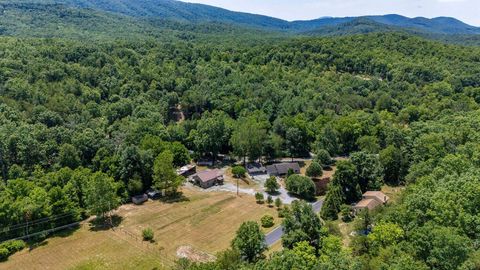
{"x": 376, "y": 195}
{"x": 209, "y": 175}
{"x": 367, "y": 203}
{"x": 255, "y": 168}
{"x": 282, "y": 168}
{"x": 185, "y": 169}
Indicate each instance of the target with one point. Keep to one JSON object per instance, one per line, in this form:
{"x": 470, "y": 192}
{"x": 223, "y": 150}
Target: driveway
{"x": 275, "y": 235}
{"x": 282, "y": 192}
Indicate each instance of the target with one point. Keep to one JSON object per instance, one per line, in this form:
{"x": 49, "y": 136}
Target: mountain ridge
{"x": 194, "y": 13}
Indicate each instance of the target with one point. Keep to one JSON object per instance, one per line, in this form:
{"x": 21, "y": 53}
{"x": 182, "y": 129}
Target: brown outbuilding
{"x": 208, "y": 178}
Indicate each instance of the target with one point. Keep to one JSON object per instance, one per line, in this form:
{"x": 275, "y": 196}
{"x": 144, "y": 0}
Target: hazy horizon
{"x": 464, "y": 10}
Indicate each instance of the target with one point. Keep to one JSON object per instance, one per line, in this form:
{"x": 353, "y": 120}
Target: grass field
{"x": 206, "y": 221}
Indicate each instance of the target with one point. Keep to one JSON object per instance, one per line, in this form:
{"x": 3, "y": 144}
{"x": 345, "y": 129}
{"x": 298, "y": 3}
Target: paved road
{"x": 275, "y": 235}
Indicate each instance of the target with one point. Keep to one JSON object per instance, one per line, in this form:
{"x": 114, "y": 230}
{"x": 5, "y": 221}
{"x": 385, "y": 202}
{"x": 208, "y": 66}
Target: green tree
{"x": 271, "y": 185}
{"x": 323, "y": 158}
{"x": 101, "y": 194}
{"x": 250, "y": 241}
{"x": 385, "y": 234}
{"x": 301, "y": 224}
{"x": 248, "y": 137}
{"x": 68, "y": 156}
{"x": 369, "y": 170}
{"x": 278, "y": 203}
{"x": 346, "y": 178}
{"x": 392, "y": 160}
{"x": 213, "y": 133}
{"x": 301, "y": 185}
{"x": 333, "y": 202}
{"x": 269, "y": 200}
{"x": 259, "y": 197}
{"x": 314, "y": 170}
{"x": 164, "y": 176}
{"x": 239, "y": 171}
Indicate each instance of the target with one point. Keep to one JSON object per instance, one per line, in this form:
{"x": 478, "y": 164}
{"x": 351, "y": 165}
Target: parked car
{"x": 153, "y": 194}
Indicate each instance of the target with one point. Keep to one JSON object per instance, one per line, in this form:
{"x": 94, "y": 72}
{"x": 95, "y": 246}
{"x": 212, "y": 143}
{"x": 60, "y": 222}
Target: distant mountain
{"x": 194, "y": 13}
{"x": 352, "y": 27}
{"x": 166, "y": 18}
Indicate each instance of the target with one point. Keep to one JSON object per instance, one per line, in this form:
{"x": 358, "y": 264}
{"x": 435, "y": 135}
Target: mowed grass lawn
{"x": 206, "y": 221}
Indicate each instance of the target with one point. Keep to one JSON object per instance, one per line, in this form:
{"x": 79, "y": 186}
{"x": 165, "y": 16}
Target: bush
{"x": 267, "y": 221}
{"x": 315, "y": 170}
{"x": 278, "y": 203}
{"x": 148, "y": 234}
{"x": 301, "y": 185}
{"x": 259, "y": 197}
{"x": 269, "y": 200}
{"x": 10, "y": 247}
{"x": 239, "y": 171}
{"x": 4, "y": 253}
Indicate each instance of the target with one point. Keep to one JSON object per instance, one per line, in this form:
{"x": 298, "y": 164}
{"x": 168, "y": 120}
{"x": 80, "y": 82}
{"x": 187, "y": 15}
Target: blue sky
{"x": 465, "y": 10}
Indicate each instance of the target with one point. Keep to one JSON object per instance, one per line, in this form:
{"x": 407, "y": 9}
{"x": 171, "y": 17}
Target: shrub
{"x": 13, "y": 245}
{"x": 267, "y": 221}
{"x": 259, "y": 197}
{"x": 148, "y": 234}
{"x": 269, "y": 200}
{"x": 314, "y": 170}
{"x": 239, "y": 171}
{"x": 10, "y": 247}
{"x": 4, "y": 253}
{"x": 278, "y": 203}
{"x": 302, "y": 186}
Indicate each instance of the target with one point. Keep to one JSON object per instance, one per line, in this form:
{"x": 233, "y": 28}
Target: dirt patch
{"x": 194, "y": 255}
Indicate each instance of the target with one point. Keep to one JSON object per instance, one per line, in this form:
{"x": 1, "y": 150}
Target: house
{"x": 208, "y": 178}
{"x": 281, "y": 169}
{"x": 256, "y": 169}
{"x": 139, "y": 199}
{"x": 187, "y": 170}
{"x": 371, "y": 200}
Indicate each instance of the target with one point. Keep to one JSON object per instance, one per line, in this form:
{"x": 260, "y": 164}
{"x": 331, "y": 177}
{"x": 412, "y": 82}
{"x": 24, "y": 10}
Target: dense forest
{"x": 77, "y": 118}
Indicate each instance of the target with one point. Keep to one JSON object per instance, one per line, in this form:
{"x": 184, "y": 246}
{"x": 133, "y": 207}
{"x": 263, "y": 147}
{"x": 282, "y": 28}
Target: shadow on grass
{"x": 175, "y": 198}
{"x": 327, "y": 168}
{"x": 105, "y": 223}
{"x": 42, "y": 239}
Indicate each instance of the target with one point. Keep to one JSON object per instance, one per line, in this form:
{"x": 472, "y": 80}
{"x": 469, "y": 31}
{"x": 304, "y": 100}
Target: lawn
{"x": 204, "y": 221}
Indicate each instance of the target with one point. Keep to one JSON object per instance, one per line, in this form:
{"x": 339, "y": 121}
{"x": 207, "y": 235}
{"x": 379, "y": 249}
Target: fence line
{"x": 46, "y": 232}
{"x": 147, "y": 246}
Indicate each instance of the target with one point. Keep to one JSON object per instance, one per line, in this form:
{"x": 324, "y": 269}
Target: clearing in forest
{"x": 204, "y": 221}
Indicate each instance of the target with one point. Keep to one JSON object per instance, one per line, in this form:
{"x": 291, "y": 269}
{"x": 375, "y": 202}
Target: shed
{"x": 139, "y": 199}
{"x": 187, "y": 170}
